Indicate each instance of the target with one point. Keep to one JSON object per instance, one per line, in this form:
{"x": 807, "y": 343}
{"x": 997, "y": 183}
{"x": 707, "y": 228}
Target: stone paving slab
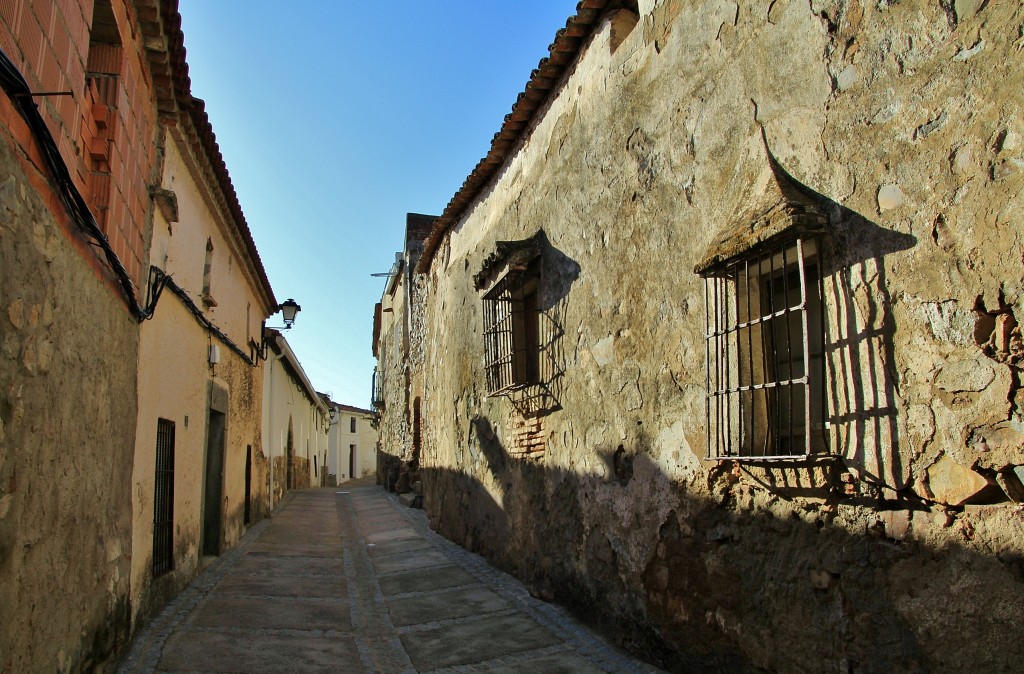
{"x": 290, "y": 550}
{"x": 435, "y": 606}
{"x": 280, "y": 614}
{"x": 283, "y": 586}
{"x": 267, "y": 565}
{"x": 439, "y": 578}
{"x": 350, "y": 581}
{"x": 416, "y": 559}
{"x": 463, "y": 643}
{"x": 562, "y": 663}
{"x": 267, "y": 653}
{"x": 393, "y": 547}
{"x": 300, "y": 538}
{"x": 386, "y": 535}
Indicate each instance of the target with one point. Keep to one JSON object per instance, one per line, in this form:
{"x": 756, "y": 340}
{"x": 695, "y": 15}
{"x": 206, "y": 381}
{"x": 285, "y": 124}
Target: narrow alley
{"x": 346, "y": 579}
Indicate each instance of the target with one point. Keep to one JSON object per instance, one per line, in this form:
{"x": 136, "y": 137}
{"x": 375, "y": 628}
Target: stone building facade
{"x": 116, "y": 196}
{"x": 74, "y": 171}
{"x": 729, "y": 311}
{"x": 200, "y": 476}
{"x": 400, "y": 349}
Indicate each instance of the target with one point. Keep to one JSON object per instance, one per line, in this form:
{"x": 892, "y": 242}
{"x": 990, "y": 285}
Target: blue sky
{"x": 335, "y": 120}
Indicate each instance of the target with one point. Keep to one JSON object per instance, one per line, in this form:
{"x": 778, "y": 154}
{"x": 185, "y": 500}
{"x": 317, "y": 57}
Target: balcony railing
{"x": 377, "y": 395}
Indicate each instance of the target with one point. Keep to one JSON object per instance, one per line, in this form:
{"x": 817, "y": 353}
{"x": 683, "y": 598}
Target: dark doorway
{"x": 248, "y": 485}
{"x": 351, "y": 461}
{"x": 214, "y": 487}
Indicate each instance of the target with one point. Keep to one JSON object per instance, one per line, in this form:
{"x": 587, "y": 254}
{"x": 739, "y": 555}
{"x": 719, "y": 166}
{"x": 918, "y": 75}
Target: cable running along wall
{"x": 17, "y": 89}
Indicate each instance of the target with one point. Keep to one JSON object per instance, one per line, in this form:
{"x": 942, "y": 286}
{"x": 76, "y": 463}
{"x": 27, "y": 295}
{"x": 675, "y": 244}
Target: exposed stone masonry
{"x": 897, "y": 549}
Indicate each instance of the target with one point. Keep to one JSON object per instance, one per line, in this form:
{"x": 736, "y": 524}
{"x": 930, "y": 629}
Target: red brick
{"x": 7, "y": 42}
{"x": 30, "y": 39}
{"x": 49, "y": 70}
{"x": 106, "y": 58}
{"x": 43, "y": 10}
{"x": 60, "y": 41}
{"x": 10, "y": 12}
{"x": 68, "y": 110}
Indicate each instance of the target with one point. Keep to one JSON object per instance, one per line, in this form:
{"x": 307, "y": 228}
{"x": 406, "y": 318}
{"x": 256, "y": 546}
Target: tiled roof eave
{"x": 563, "y": 54}
{"x": 160, "y": 24}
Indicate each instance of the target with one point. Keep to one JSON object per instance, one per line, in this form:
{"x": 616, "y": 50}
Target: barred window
{"x": 512, "y": 330}
{"x": 764, "y": 353}
{"x": 163, "y": 499}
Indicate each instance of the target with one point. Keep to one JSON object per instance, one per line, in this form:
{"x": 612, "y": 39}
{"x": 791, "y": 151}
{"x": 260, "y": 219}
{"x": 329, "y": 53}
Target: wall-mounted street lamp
{"x": 289, "y": 310}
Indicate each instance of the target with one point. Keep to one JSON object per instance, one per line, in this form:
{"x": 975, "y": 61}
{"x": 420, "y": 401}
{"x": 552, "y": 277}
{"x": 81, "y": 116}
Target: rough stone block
{"x": 954, "y": 484}
{"x": 1011, "y": 481}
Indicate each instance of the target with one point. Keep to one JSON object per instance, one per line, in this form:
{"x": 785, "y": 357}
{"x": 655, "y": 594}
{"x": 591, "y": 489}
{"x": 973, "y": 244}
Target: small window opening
{"x": 352, "y": 425}
{"x": 512, "y": 339}
{"x": 765, "y": 354}
{"x": 207, "y": 297}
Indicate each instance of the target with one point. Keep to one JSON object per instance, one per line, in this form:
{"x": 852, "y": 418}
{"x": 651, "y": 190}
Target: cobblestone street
{"x": 346, "y": 579}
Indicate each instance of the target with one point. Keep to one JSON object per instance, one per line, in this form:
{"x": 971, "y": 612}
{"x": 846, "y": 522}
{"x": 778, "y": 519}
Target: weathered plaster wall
{"x": 285, "y": 405}
{"x": 68, "y": 353}
{"x": 172, "y": 386}
{"x": 906, "y": 120}
{"x": 174, "y": 380}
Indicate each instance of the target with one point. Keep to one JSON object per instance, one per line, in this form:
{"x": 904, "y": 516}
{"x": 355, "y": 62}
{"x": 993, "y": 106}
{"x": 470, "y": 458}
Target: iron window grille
{"x": 764, "y": 353}
{"x": 163, "y": 499}
{"x": 512, "y": 344}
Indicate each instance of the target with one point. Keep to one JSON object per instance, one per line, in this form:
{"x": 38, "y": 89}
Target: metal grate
{"x": 512, "y": 331}
{"x": 764, "y": 354}
{"x": 163, "y": 499}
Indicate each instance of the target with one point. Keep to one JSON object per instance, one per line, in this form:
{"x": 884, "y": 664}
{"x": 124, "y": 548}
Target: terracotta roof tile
{"x": 562, "y": 53}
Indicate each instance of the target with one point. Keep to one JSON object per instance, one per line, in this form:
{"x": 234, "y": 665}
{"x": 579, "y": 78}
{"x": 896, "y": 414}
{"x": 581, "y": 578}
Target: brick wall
{"x": 105, "y": 128}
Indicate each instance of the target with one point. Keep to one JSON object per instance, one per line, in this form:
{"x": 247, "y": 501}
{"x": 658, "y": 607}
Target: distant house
{"x": 352, "y": 443}
{"x": 295, "y": 422}
{"x": 721, "y": 337}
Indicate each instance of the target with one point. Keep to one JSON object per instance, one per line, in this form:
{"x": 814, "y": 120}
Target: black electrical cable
{"x": 160, "y": 280}
{"x": 14, "y": 84}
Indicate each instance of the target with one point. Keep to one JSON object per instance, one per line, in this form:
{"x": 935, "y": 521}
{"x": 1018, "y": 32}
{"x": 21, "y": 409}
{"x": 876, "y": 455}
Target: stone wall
{"x": 394, "y": 435}
{"x": 67, "y": 426}
{"x": 900, "y": 551}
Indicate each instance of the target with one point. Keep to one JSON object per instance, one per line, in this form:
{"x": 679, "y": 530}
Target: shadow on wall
{"x": 725, "y": 585}
{"x": 846, "y": 339}
{"x": 742, "y": 577}
{"x": 861, "y": 384}
{"x": 862, "y": 381}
